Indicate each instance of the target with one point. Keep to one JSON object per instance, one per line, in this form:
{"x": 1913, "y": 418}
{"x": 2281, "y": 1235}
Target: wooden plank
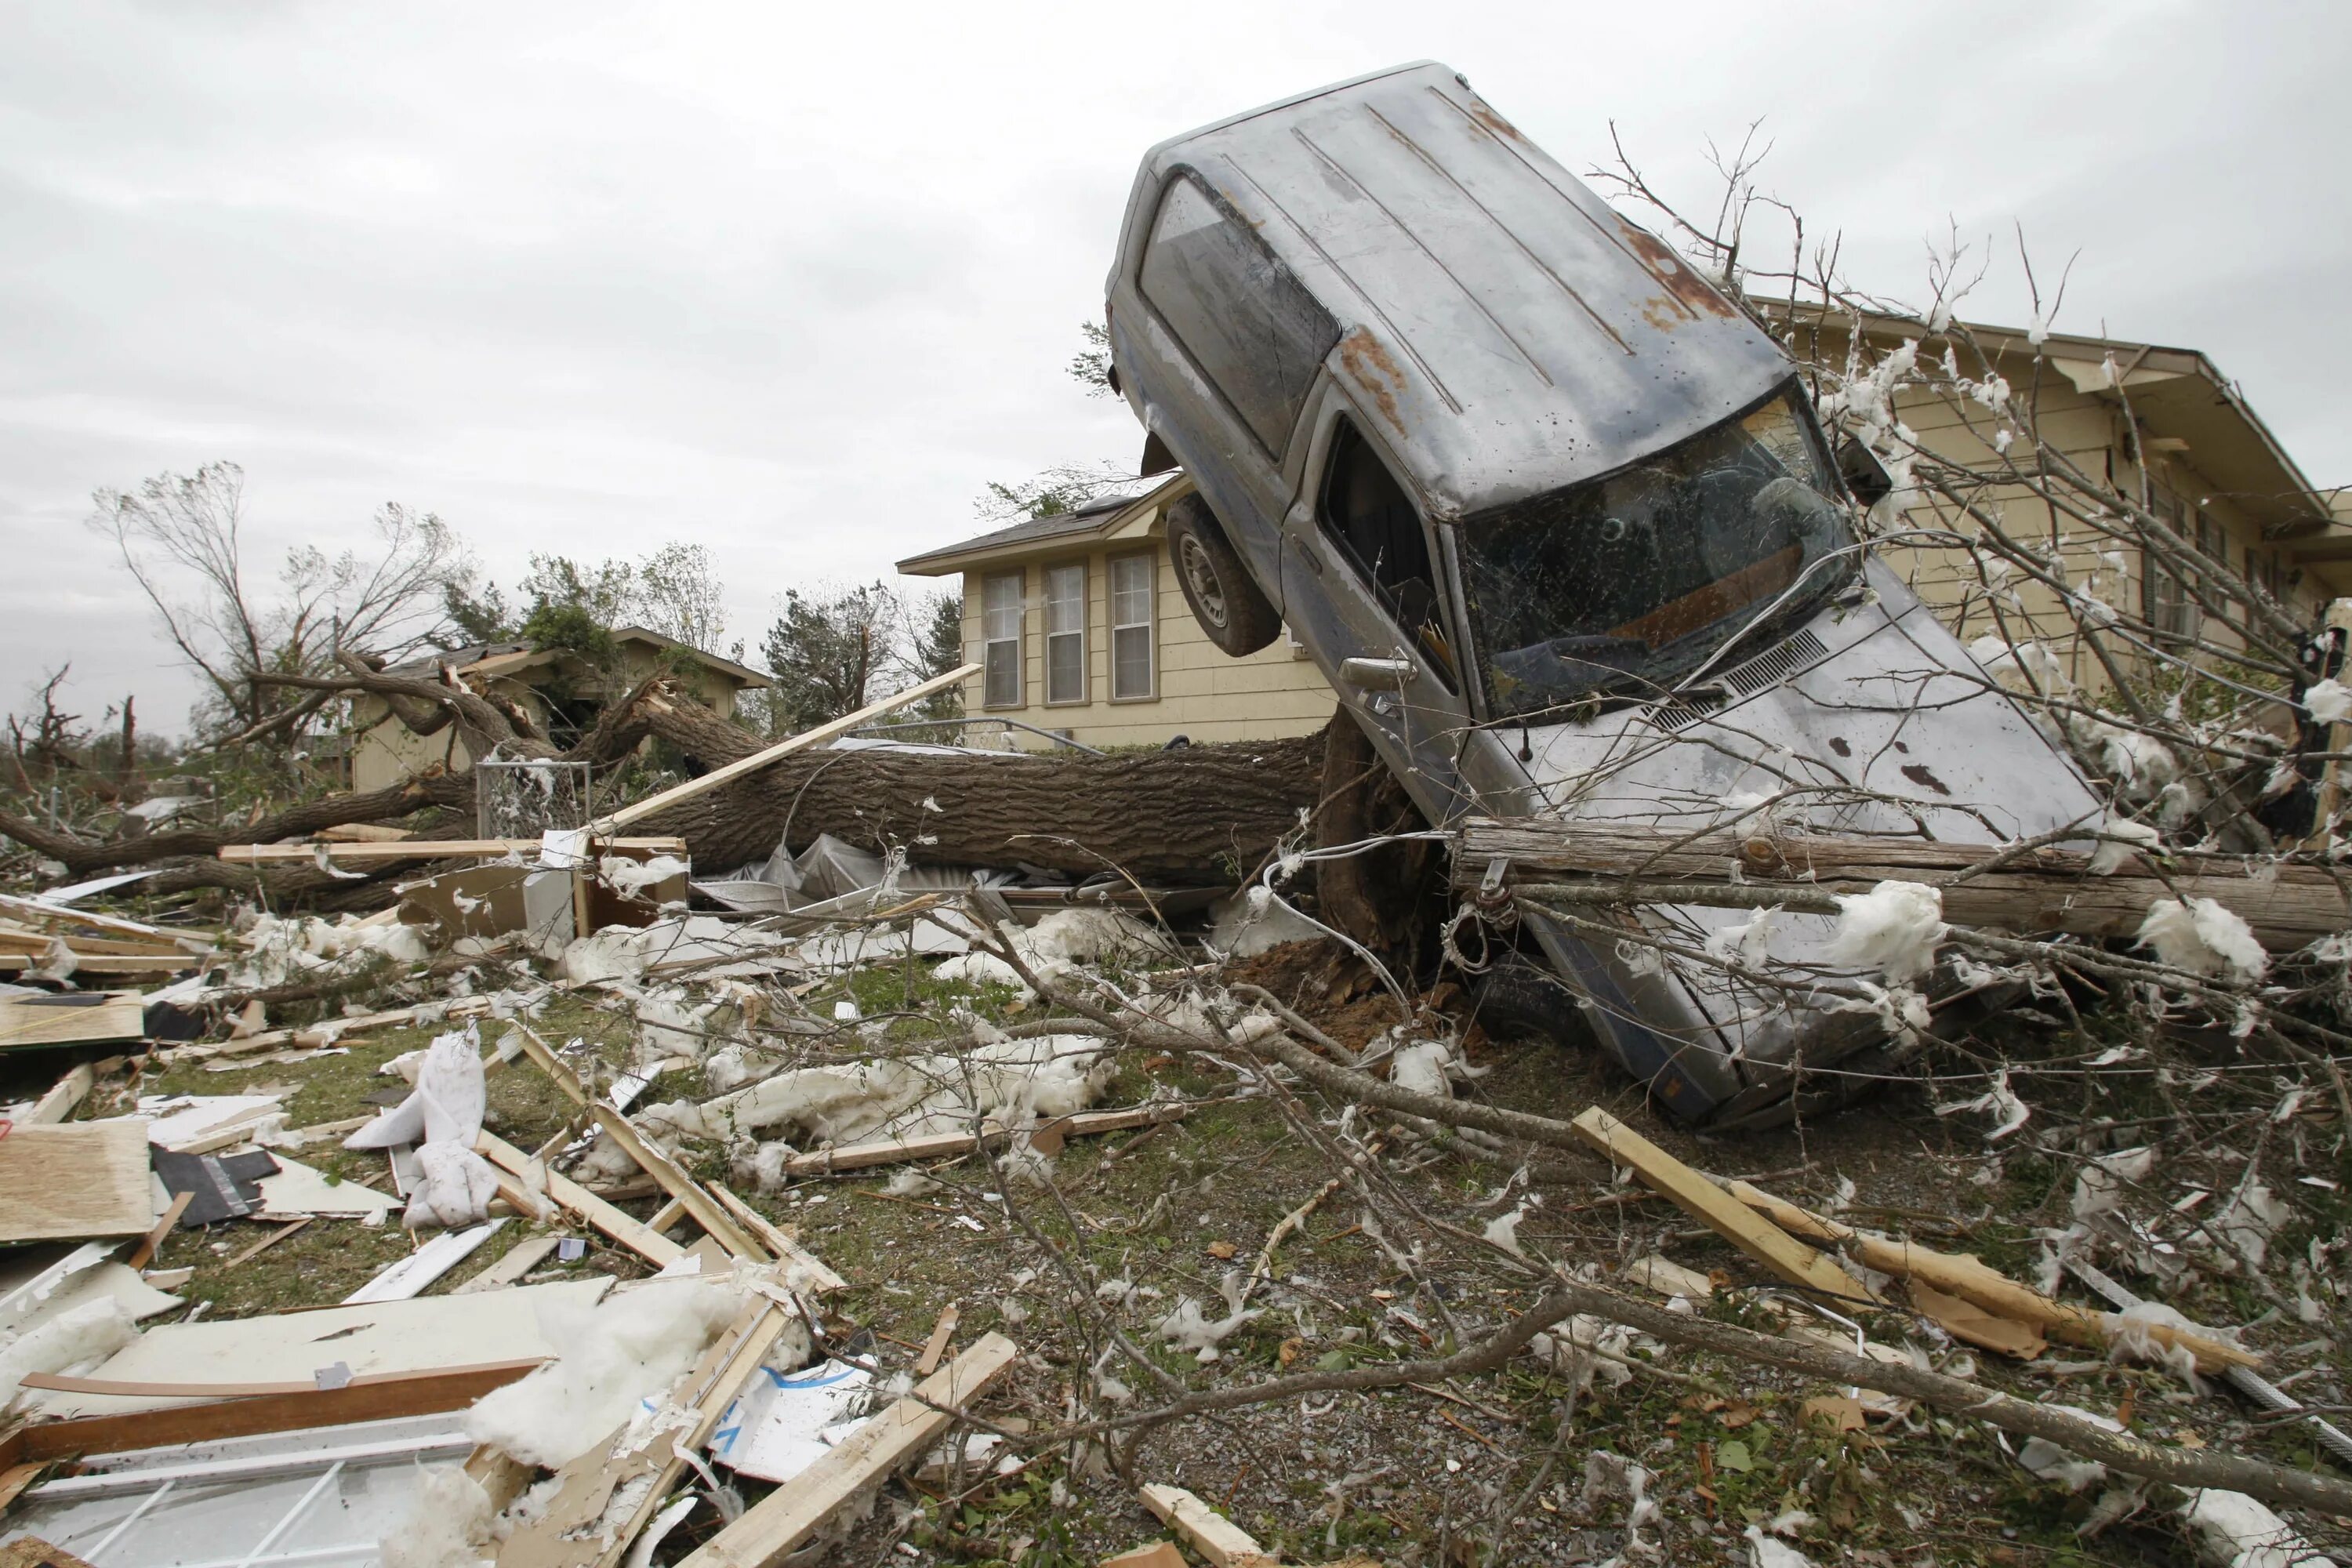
{"x": 682, "y": 1188}
{"x": 58, "y": 1383}
{"x": 421, "y": 849}
{"x": 118, "y": 1018}
{"x": 787, "y": 1518}
{"x": 781, "y": 1241}
{"x": 718, "y": 777}
{"x": 152, "y": 1242}
{"x": 426, "y": 1393}
{"x": 937, "y": 1346}
{"x": 102, "y": 963}
{"x": 651, "y": 1246}
{"x": 2046, "y": 890}
{"x": 517, "y": 1260}
{"x": 65, "y": 1097}
{"x": 267, "y": 1242}
{"x": 1979, "y": 1284}
{"x": 75, "y": 1182}
{"x": 15, "y": 1479}
{"x": 1789, "y": 1259}
{"x": 946, "y": 1145}
{"x": 1209, "y": 1533}
{"x": 61, "y": 914}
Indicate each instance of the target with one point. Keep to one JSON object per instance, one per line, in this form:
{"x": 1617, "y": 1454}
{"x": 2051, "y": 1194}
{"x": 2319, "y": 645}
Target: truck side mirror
{"x": 1866, "y": 476}
{"x": 1156, "y": 458}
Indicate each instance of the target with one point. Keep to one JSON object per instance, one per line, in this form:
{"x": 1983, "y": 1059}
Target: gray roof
{"x": 1511, "y": 330}
{"x": 1028, "y": 531}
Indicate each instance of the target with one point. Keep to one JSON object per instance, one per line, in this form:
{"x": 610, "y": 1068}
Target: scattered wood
{"x": 75, "y": 1182}
{"x": 937, "y": 1346}
{"x": 1760, "y": 1238}
{"x": 415, "y": 1273}
{"x": 379, "y": 854}
{"x": 781, "y": 1241}
{"x": 122, "y": 1388}
{"x": 650, "y": 1245}
{"x": 1158, "y": 1554}
{"x": 1981, "y": 1285}
{"x": 267, "y": 1242}
{"x": 44, "y": 913}
{"x": 614, "y": 820}
{"x": 150, "y": 1244}
{"x": 788, "y": 1517}
{"x": 946, "y": 1145}
{"x": 64, "y": 1098}
{"x": 1207, "y": 1531}
{"x": 517, "y": 1260}
{"x": 32, "y": 1551}
{"x": 72, "y": 1018}
{"x": 2043, "y": 889}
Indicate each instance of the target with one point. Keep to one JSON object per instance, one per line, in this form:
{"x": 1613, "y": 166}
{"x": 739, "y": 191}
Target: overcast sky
{"x": 794, "y": 283}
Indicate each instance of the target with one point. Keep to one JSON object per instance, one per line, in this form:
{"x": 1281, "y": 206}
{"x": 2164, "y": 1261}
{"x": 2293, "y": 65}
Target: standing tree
{"x": 941, "y": 624}
{"x": 833, "y": 650}
{"x": 679, "y": 596}
{"x": 182, "y": 539}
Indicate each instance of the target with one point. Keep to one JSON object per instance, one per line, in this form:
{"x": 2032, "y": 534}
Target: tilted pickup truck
{"x": 1557, "y": 517}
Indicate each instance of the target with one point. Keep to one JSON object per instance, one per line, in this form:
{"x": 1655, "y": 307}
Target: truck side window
{"x": 1365, "y": 513}
{"x": 1253, "y": 327}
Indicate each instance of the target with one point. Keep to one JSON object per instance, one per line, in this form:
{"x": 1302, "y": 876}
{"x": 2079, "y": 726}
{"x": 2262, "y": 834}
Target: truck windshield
{"x": 1621, "y": 585}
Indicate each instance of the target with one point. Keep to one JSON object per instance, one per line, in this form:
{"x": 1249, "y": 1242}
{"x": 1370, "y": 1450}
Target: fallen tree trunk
{"x": 2003, "y": 888}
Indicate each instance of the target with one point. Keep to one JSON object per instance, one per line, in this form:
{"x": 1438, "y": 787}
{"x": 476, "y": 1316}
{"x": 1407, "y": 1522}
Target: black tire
{"x": 1225, "y": 601}
{"x": 1518, "y": 1000}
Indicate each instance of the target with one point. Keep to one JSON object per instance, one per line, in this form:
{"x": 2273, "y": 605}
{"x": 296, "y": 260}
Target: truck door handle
{"x": 1385, "y": 674}
{"x": 1314, "y": 562}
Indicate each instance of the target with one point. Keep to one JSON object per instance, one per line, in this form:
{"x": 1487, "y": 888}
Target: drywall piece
{"x": 75, "y": 1182}
{"x": 788, "y": 1517}
{"x": 420, "y": 1268}
{"x": 302, "y": 1192}
{"x": 75, "y": 1018}
{"x": 181, "y": 1122}
{"x": 1768, "y": 1244}
{"x": 775, "y": 1429}
{"x": 426, "y": 1334}
{"x": 38, "y": 1283}
{"x": 945, "y": 1145}
{"x": 519, "y": 1260}
{"x": 1211, "y": 1534}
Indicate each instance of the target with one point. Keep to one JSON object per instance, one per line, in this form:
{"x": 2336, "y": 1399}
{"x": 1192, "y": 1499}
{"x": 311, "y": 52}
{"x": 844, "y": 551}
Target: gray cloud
{"x": 793, "y": 285}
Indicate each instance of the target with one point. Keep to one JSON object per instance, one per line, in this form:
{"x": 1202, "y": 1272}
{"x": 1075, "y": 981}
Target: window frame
{"x": 1186, "y": 175}
{"x": 1019, "y": 577}
{"x": 1045, "y": 571}
{"x": 1148, "y": 624}
{"x": 1446, "y": 669}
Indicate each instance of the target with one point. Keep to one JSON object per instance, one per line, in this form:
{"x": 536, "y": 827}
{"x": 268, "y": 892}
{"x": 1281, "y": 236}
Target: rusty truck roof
{"x": 1508, "y": 331}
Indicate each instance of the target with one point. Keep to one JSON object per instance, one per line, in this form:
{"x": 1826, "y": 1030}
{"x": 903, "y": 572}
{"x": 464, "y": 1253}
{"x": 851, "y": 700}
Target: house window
{"x": 1000, "y": 631}
{"x": 1255, "y": 331}
{"x": 1132, "y": 672}
{"x": 1066, "y": 634}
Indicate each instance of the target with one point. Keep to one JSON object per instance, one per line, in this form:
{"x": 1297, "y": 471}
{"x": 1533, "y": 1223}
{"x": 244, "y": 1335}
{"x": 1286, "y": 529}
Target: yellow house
{"x": 1083, "y": 631}
{"x": 560, "y": 691}
{"x": 1080, "y": 629}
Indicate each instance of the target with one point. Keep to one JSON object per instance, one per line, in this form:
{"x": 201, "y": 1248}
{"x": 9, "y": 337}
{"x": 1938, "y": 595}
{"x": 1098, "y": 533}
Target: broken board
{"x": 75, "y": 1181}
{"x": 74, "y": 1018}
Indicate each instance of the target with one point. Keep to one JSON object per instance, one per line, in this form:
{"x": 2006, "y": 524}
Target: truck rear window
{"x": 1253, "y": 328}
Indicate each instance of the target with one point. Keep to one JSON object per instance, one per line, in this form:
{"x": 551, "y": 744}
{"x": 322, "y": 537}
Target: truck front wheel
{"x": 1236, "y": 616}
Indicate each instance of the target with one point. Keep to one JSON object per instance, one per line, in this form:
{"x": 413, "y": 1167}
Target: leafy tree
{"x": 833, "y": 650}
{"x": 1057, "y": 490}
{"x": 940, "y": 649}
{"x": 679, "y": 596}
{"x": 1090, "y": 368}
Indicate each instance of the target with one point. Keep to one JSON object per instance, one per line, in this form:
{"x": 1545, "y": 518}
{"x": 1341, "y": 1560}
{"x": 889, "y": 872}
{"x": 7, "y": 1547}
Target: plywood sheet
{"x": 73, "y": 1018}
{"x": 290, "y": 1347}
{"x": 75, "y": 1182}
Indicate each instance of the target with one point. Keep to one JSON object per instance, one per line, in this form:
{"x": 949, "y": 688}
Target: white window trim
{"x": 1151, "y": 622}
{"x": 1020, "y": 641}
{"x": 1045, "y": 627}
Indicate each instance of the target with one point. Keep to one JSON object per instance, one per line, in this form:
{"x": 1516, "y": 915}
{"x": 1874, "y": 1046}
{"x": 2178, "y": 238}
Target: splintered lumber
{"x": 650, "y": 1245}
{"x": 568, "y": 1532}
{"x": 684, "y": 1191}
{"x": 65, "y": 1097}
{"x": 519, "y": 1260}
{"x": 1982, "y": 1286}
{"x": 944, "y": 1145}
{"x": 1209, "y": 1533}
{"x": 421, "y": 850}
{"x": 809, "y": 1268}
{"x": 937, "y": 1345}
{"x": 788, "y": 1517}
{"x": 74, "y": 1018}
{"x": 76, "y": 1182}
{"x": 1788, "y": 1259}
{"x": 716, "y": 777}
{"x": 150, "y": 1244}
{"x": 2042, "y": 889}
{"x": 125, "y": 1388}
{"x": 25, "y": 908}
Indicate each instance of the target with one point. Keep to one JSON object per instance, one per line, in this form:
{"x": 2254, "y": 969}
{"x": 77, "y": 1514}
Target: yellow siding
{"x": 1202, "y": 694}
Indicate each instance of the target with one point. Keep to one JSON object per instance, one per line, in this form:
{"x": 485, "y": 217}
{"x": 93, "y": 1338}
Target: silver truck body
{"x": 1557, "y": 517}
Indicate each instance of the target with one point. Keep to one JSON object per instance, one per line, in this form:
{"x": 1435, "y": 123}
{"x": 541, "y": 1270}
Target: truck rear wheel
{"x": 1227, "y": 603}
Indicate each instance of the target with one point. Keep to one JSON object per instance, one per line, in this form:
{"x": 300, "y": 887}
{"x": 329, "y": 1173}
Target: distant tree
{"x": 480, "y": 616}
{"x": 1063, "y": 489}
{"x": 679, "y": 596}
{"x": 939, "y": 623}
{"x": 832, "y": 650}
{"x": 1090, "y": 368}
{"x": 181, "y": 537}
